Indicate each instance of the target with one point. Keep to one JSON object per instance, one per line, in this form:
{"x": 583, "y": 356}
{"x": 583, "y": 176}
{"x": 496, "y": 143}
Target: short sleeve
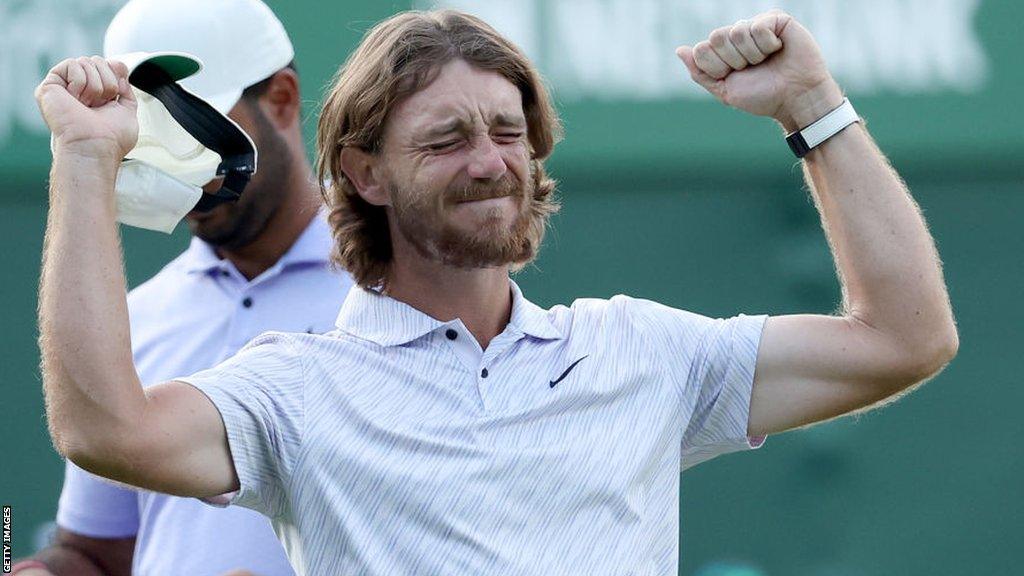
{"x": 710, "y": 364}
{"x": 259, "y": 394}
{"x": 95, "y": 507}
{"x": 719, "y": 386}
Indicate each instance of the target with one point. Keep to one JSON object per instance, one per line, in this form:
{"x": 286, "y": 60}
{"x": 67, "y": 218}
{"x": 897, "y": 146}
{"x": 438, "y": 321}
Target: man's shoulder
{"x": 621, "y": 315}
{"x": 300, "y": 347}
{"x": 617, "y": 304}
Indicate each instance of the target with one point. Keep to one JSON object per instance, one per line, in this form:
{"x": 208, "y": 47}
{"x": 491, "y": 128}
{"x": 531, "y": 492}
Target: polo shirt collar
{"x": 372, "y": 316}
{"x": 313, "y": 246}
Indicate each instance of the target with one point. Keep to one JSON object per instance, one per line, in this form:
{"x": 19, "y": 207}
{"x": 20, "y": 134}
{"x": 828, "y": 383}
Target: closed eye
{"x": 509, "y": 137}
{"x": 442, "y": 146}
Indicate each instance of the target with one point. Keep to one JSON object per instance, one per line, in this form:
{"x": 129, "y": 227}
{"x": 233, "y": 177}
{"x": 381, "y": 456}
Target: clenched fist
{"x": 89, "y": 107}
{"x": 769, "y": 66}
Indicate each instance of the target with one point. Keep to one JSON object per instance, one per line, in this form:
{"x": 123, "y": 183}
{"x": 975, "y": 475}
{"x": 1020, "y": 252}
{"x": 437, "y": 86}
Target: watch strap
{"x": 803, "y": 141}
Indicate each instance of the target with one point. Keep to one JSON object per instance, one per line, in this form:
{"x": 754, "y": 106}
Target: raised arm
{"x": 897, "y": 327}
{"x": 169, "y": 438}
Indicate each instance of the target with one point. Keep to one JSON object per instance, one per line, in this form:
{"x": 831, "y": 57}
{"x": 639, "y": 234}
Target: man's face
{"x": 235, "y": 224}
{"x": 456, "y": 169}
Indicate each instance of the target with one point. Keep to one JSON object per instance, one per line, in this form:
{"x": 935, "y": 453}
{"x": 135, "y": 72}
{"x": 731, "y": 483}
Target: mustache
{"x": 474, "y": 191}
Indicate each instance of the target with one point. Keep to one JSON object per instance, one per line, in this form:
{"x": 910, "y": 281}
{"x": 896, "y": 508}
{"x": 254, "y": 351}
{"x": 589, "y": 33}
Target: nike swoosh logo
{"x": 566, "y": 373}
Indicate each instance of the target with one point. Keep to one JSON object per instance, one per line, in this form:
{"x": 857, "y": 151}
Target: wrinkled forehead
{"x": 461, "y": 96}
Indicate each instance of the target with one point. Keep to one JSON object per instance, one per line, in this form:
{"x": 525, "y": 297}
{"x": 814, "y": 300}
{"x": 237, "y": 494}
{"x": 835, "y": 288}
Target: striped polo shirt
{"x": 396, "y": 445}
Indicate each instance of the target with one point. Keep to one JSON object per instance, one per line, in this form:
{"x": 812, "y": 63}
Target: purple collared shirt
{"x": 198, "y": 311}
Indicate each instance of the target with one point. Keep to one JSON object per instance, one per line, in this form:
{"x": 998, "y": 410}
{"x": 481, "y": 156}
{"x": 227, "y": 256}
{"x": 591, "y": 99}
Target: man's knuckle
{"x": 738, "y": 34}
{"x": 700, "y": 50}
{"x": 718, "y": 37}
{"x": 761, "y": 32}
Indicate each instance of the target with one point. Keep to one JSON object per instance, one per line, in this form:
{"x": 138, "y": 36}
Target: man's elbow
{"x": 929, "y": 357}
{"x": 68, "y": 440}
{"x": 108, "y": 454}
{"x": 100, "y": 436}
{"x": 108, "y": 461}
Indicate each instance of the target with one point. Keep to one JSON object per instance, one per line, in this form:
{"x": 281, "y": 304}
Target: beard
{"x": 421, "y": 219}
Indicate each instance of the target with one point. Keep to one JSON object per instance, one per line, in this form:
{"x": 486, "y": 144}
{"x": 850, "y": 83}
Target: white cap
{"x": 162, "y": 141}
{"x": 240, "y": 42}
{"x": 161, "y": 178}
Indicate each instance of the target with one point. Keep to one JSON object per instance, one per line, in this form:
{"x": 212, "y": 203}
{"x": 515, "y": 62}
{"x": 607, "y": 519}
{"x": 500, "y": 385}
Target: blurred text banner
{"x": 935, "y": 78}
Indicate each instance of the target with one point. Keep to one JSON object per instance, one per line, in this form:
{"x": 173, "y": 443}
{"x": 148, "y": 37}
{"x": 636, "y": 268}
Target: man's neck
{"x": 284, "y": 227}
{"x": 481, "y": 298}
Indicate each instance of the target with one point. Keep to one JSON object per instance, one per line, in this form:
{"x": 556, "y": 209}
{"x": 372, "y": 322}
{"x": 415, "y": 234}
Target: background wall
{"x": 670, "y": 196}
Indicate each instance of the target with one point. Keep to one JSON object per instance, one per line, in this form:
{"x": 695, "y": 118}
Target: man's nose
{"x": 485, "y": 161}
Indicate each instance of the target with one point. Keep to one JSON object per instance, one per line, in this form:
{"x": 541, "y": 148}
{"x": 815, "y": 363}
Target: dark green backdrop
{"x": 683, "y": 201}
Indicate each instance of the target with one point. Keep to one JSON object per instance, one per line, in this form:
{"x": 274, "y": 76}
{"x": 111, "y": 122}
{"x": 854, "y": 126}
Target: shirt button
{"x": 483, "y": 373}
{"x": 247, "y": 302}
{"x": 451, "y": 334}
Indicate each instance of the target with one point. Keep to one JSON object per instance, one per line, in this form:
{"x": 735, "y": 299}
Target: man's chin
{"x": 197, "y": 216}
{"x": 212, "y": 227}
{"x": 205, "y": 215}
{"x": 494, "y": 244}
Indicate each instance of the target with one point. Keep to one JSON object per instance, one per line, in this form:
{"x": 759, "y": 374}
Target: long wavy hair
{"x": 396, "y": 58}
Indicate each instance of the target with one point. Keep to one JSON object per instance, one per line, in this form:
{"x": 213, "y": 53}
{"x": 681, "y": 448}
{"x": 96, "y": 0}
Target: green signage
{"x": 934, "y": 78}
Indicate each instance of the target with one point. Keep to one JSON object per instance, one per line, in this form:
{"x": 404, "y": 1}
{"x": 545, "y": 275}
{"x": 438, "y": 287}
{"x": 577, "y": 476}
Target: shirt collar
{"x": 312, "y": 246}
{"x": 372, "y": 316}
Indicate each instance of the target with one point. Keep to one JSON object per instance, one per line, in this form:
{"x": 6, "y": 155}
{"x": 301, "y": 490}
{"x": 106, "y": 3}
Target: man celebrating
{"x": 256, "y": 265}
{"x": 448, "y": 425}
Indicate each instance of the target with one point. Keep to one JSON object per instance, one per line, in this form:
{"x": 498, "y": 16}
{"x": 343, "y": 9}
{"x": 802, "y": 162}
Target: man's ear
{"x": 361, "y": 169}
{"x": 282, "y": 101}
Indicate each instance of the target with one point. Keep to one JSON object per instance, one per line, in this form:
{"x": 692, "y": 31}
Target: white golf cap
{"x": 163, "y": 141}
{"x": 240, "y": 42}
{"x": 183, "y": 143}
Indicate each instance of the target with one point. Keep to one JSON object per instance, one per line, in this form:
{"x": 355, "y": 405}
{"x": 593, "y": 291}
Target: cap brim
{"x": 178, "y": 65}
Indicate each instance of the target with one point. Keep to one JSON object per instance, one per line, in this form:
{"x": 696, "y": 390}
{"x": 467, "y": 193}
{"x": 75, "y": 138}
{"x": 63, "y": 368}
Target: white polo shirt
{"x": 395, "y": 445}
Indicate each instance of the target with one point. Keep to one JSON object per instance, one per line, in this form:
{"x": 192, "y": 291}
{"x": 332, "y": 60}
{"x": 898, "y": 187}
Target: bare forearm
{"x": 888, "y": 265}
{"x": 79, "y": 555}
{"x": 90, "y": 383}
{"x": 66, "y": 561}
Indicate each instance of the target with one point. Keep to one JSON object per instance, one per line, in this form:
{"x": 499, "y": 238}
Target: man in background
{"x": 261, "y": 264}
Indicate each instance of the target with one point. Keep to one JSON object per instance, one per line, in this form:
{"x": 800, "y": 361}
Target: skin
{"x": 897, "y": 328}
{"x": 896, "y": 331}
{"x": 280, "y": 201}
{"x": 422, "y": 157}
{"x": 253, "y": 234}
